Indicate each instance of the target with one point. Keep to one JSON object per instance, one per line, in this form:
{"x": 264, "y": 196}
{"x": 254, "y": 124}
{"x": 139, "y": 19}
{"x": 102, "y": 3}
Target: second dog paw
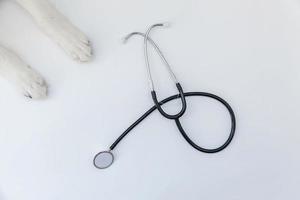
{"x": 32, "y": 85}
{"x": 26, "y": 79}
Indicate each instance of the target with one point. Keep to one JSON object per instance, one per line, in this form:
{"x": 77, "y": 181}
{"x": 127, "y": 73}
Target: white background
{"x": 247, "y": 51}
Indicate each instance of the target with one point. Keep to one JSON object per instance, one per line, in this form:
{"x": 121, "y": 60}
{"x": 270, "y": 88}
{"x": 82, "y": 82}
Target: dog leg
{"x": 30, "y": 83}
{"x": 59, "y": 29}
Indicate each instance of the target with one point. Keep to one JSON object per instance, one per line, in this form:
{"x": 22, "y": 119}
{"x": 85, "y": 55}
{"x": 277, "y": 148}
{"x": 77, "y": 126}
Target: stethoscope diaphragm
{"x": 103, "y": 159}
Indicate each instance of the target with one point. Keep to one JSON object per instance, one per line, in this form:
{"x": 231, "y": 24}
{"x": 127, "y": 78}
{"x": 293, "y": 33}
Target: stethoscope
{"x": 105, "y": 159}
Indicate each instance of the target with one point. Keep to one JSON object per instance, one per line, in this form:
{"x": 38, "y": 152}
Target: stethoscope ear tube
{"x": 183, "y": 101}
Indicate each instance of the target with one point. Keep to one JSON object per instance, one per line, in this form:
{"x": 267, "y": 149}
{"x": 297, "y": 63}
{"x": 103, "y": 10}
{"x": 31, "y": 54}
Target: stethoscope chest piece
{"x": 103, "y": 159}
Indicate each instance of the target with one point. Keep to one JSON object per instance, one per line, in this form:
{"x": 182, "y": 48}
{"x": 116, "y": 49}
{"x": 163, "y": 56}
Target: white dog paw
{"x": 32, "y": 84}
{"x": 26, "y": 79}
{"x": 66, "y": 35}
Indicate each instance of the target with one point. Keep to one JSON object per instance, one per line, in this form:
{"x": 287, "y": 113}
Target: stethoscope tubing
{"x": 178, "y": 123}
{"x": 183, "y": 104}
{"x": 232, "y": 118}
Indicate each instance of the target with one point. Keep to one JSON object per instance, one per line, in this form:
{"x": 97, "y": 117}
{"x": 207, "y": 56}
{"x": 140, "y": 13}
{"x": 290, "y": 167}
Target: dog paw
{"x": 27, "y": 80}
{"x": 32, "y": 85}
{"x": 66, "y": 35}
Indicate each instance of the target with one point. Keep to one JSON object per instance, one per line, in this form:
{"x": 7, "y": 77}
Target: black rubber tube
{"x": 230, "y": 137}
{"x": 183, "y": 101}
{"x": 180, "y": 128}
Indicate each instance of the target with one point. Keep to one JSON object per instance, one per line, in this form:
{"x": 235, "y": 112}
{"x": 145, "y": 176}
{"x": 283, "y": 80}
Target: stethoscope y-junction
{"x": 104, "y": 159}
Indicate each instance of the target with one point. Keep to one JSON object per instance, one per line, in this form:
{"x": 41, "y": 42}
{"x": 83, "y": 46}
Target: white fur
{"x": 26, "y": 79}
{"x": 60, "y": 30}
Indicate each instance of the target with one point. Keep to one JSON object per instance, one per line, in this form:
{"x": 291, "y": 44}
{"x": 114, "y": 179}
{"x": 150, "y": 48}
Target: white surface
{"x": 245, "y": 51}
